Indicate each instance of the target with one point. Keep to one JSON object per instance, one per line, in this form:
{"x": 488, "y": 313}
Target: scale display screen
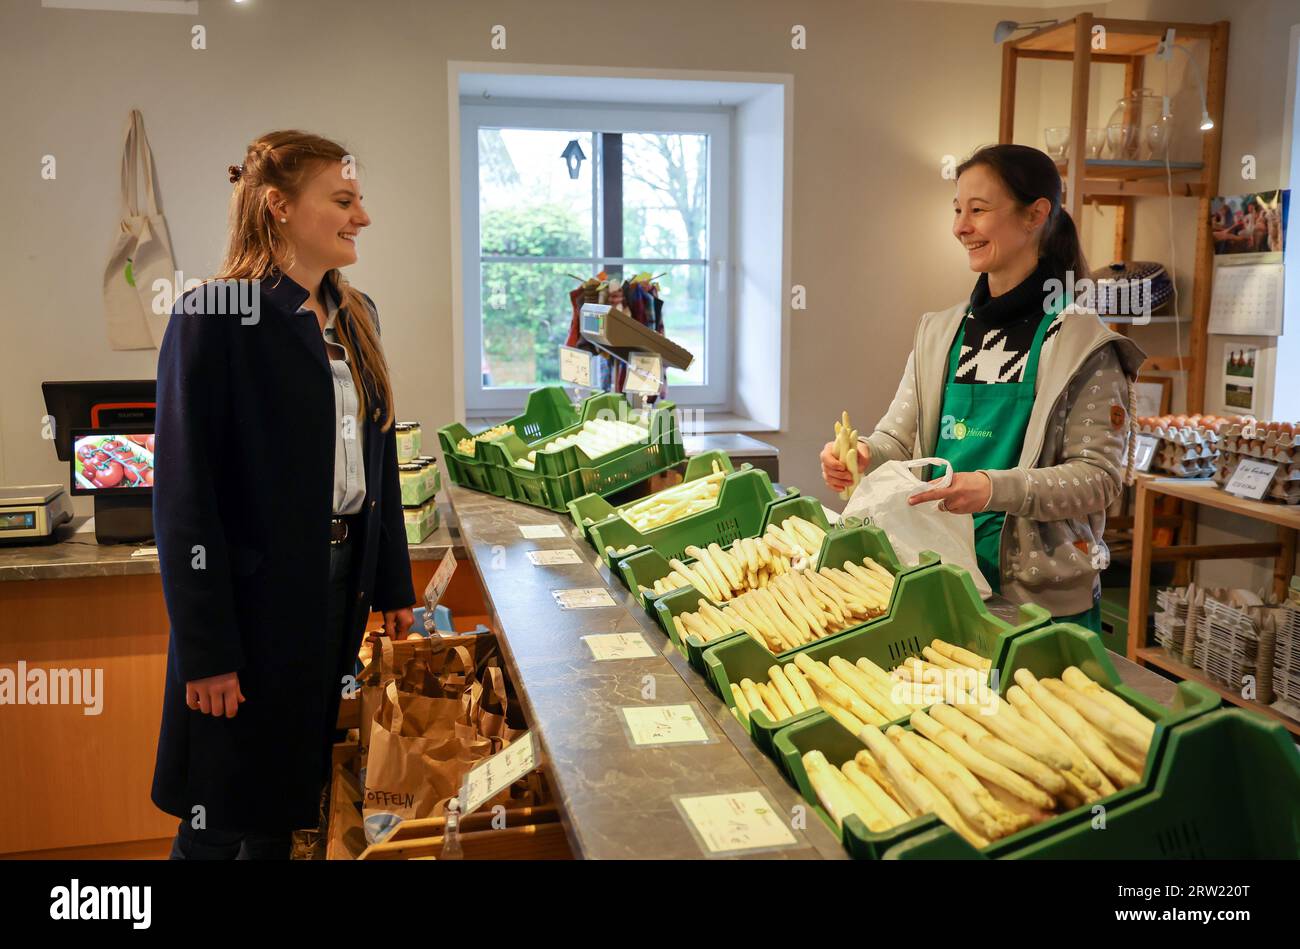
{"x": 111, "y": 462}
{"x": 18, "y": 521}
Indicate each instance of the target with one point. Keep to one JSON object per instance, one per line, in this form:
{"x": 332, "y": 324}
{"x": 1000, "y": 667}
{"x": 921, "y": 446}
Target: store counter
{"x": 617, "y": 799}
{"x": 77, "y": 777}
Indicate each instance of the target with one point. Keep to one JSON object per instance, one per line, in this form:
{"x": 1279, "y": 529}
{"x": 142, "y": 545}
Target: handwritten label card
{"x": 538, "y": 531}
{"x": 585, "y": 598}
{"x": 1251, "y": 479}
{"x": 664, "y": 725}
{"x": 550, "y": 558}
{"x": 606, "y": 646}
{"x": 441, "y": 578}
{"x": 740, "y": 821}
{"x": 492, "y": 775}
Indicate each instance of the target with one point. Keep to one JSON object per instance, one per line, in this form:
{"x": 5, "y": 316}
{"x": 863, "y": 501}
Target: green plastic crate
{"x": 862, "y": 541}
{"x": 1226, "y": 788}
{"x": 1045, "y": 651}
{"x": 593, "y": 508}
{"x": 649, "y": 565}
{"x": 566, "y": 475}
{"x": 742, "y": 504}
{"x": 547, "y": 411}
{"x": 933, "y": 600}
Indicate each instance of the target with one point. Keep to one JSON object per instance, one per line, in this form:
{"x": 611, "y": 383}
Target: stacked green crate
{"x": 559, "y": 477}
{"x": 742, "y": 504}
{"x": 853, "y": 543}
{"x": 932, "y": 601}
{"x": 1045, "y": 652}
{"x": 590, "y": 509}
{"x": 547, "y": 412}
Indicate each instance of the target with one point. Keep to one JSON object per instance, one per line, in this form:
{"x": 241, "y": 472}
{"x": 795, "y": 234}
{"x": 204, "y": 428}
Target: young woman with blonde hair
{"x": 277, "y": 506}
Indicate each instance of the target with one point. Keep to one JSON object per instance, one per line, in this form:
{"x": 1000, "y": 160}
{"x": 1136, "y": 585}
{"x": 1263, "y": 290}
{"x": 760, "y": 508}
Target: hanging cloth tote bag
{"x": 141, "y": 254}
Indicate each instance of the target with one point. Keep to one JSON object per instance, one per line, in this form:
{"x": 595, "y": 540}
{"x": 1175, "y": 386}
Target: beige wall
{"x": 884, "y": 90}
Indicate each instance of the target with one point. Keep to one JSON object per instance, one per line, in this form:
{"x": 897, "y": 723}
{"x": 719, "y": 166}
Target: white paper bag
{"x": 141, "y": 252}
{"x": 881, "y": 499}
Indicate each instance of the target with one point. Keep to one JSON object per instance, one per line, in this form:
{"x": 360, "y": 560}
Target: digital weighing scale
{"x": 29, "y": 513}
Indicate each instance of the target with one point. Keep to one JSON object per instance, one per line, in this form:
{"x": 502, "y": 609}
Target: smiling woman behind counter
{"x": 1027, "y": 399}
{"x": 277, "y": 507}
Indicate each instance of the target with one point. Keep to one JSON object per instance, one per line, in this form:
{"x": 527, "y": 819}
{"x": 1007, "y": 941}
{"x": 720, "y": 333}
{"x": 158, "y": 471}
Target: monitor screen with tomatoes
{"x": 109, "y": 461}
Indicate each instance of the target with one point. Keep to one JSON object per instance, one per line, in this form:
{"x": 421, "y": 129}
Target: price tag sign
{"x": 1145, "y": 452}
{"x": 538, "y": 531}
{"x": 575, "y": 366}
{"x": 1251, "y": 479}
{"x": 549, "y": 558}
{"x": 586, "y": 598}
{"x": 664, "y": 725}
{"x": 606, "y": 646}
{"x": 736, "y": 822}
{"x": 493, "y": 775}
{"x": 439, "y": 581}
{"x": 644, "y": 374}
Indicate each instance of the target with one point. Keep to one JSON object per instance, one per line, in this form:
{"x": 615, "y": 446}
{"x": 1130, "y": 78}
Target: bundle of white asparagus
{"x": 855, "y": 694}
{"x": 795, "y": 607}
{"x": 672, "y": 504}
{"x": 749, "y": 563}
{"x": 596, "y": 438}
{"x": 988, "y": 767}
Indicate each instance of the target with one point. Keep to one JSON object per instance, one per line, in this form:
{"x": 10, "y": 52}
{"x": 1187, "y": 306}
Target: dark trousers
{"x": 192, "y": 844}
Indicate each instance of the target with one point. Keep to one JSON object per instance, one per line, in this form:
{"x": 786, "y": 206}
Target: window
{"x": 650, "y": 196}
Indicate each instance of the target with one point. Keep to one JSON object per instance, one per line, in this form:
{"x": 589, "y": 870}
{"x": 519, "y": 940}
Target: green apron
{"x": 983, "y": 426}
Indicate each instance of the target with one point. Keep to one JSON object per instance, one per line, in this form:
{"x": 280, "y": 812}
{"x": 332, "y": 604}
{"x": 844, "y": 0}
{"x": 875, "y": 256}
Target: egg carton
{"x": 1170, "y": 619}
{"x": 1285, "y": 660}
{"x": 1227, "y": 643}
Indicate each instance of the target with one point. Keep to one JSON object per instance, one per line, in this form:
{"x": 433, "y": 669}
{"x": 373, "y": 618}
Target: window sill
{"x": 708, "y": 423}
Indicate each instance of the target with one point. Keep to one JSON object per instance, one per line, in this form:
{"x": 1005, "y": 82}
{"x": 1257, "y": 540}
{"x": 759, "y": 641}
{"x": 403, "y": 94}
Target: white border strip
{"x": 185, "y": 7}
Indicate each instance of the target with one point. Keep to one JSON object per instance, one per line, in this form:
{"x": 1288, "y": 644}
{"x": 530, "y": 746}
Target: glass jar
{"x": 1139, "y": 128}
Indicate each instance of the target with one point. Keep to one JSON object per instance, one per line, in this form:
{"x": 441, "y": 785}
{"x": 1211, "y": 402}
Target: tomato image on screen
{"x": 105, "y": 462}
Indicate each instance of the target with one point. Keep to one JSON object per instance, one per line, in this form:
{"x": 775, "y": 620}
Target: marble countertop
{"x": 74, "y": 553}
{"x": 617, "y": 799}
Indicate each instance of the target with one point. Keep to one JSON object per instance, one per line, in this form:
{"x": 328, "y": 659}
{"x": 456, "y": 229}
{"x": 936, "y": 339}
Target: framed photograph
{"x": 1153, "y": 395}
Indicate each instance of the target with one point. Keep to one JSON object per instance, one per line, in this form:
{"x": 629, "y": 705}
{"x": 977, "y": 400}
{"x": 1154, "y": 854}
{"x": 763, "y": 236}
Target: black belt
{"x": 341, "y": 528}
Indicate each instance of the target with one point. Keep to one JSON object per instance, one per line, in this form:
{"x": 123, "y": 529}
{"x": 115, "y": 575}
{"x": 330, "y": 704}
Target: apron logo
{"x": 955, "y": 429}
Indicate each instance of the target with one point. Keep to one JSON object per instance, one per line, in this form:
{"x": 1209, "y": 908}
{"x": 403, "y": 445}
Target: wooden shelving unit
{"x": 1282, "y": 516}
{"x": 1119, "y": 183}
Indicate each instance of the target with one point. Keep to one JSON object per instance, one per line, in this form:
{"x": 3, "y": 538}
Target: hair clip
{"x": 236, "y": 171}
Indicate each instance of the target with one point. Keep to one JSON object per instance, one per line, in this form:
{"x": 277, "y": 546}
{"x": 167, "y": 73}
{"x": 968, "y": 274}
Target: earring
{"x": 284, "y": 220}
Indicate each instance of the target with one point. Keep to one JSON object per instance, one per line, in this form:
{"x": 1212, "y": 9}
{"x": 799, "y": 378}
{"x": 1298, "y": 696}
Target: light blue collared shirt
{"x": 349, "y": 433}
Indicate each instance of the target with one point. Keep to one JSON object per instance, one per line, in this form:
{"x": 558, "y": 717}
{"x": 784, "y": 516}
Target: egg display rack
{"x": 1274, "y": 442}
{"x": 1188, "y": 445}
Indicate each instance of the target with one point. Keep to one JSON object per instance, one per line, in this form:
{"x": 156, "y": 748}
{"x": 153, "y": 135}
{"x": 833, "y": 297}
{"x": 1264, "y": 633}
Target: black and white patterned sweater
{"x": 1000, "y": 330}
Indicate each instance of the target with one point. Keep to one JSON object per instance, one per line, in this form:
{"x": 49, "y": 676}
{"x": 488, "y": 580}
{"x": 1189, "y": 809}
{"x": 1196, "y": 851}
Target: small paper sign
{"x": 664, "y": 725}
{"x": 586, "y": 598}
{"x": 438, "y": 582}
{"x": 549, "y": 558}
{"x": 493, "y": 775}
{"x": 606, "y": 646}
{"x": 728, "y": 823}
{"x": 1251, "y": 479}
{"x": 575, "y": 366}
{"x": 1145, "y": 452}
{"x": 644, "y": 374}
{"x": 538, "y": 531}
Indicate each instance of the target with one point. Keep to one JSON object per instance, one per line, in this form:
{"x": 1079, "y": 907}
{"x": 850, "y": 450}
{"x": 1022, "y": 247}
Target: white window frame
{"x": 493, "y": 403}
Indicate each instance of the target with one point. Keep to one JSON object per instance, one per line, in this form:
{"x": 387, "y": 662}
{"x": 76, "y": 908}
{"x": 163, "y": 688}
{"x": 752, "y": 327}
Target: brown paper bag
{"x": 435, "y": 719}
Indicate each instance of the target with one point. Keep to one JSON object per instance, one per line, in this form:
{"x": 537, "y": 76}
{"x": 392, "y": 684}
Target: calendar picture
{"x": 1239, "y": 377}
{"x": 1250, "y": 223}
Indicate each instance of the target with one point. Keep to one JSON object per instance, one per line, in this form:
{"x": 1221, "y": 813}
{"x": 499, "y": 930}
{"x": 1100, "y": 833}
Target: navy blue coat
{"x": 244, "y": 466}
